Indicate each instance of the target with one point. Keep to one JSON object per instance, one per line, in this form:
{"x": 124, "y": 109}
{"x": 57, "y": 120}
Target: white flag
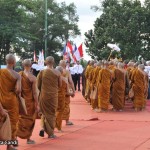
{"x": 41, "y": 59}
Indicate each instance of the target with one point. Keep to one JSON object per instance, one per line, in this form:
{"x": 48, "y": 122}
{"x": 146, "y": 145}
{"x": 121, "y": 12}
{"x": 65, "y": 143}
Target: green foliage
{"x": 83, "y": 62}
{"x": 22, "y": 26}
{"x": 125, "y": 23}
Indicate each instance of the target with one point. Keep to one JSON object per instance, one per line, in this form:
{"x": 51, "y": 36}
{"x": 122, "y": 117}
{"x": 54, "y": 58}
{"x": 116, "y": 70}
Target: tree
{"x": 123, "y": 22}
{"x": 83, "y": 62}
{"x": 22, "y": 26}
{"x": 12, "y": 19}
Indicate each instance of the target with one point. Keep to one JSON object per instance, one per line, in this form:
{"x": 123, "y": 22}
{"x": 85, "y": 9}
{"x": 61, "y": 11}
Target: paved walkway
{"x": 126, "y": 130}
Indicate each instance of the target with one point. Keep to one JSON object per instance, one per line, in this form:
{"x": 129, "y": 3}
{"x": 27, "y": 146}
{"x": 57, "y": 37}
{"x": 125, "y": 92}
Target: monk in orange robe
{"x": 87, "y": 87}
{"x": 133, "y": 71}
{"x": 29, "y": 93}
{"x": 94, "y": 102}
{"x": 112, "y": 66}
{"x": 139, "y": 88}
{"x": 104, "y": 79}
{"x": 10, "y": 87}
{"x": 84, "y": 80}
{"x": 118, "y": 89}
{"x": 3, "y": 114}
{"x": 62, "y": 92}
{"x": 90, "y": 77}
{"x": 146, "y": 87}
{"x": 130, "y": 68}
{"x": 88, "y": 74}
{"x": 48, "y": 82}
{"x": 130, "y": 74}
{"x": 67, "y": 75}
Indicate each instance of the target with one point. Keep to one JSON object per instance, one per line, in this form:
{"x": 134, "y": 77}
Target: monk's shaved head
{"x": 92, "y": 62}
{"x": 10, "y": 59}
{"x": 60, "y": 69}
{"x": 120, "y": 65}
{"x": 141, "y": 67}
{"x": 116, "y": 63}
{"x": 106, "y": 63}
{"x": 136, "y": 64}
{"x": 88, "y": 62}
{"x": 62, "y": 63}
{"x": 50, "y": 60}
{"x": 99, "y": 63}
{"x": 130, "y": 64}
{"x": 111, "y": 63}
{"x": 27, "y": 63}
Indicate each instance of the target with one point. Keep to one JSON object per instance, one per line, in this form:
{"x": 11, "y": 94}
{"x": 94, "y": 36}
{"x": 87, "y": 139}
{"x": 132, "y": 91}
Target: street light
{"x": 45, "y": 28}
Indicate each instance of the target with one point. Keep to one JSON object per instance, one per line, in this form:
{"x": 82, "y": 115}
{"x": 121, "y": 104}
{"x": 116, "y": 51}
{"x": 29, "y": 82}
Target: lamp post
{"x": 45, "y": 28}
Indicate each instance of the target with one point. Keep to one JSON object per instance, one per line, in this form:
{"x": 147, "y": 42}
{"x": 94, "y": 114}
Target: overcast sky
{"x": 86, "y": 16}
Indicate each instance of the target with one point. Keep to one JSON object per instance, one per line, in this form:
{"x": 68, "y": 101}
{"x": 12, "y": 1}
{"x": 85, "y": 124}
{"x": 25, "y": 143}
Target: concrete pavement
{"x": 127, "y": 130}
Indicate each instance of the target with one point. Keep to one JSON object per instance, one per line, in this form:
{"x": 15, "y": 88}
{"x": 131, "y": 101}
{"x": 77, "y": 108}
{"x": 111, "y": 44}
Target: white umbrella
{"x": 38, "y": 67}
{"x": 34, "y": 66}
{"x": 113, "y": 46}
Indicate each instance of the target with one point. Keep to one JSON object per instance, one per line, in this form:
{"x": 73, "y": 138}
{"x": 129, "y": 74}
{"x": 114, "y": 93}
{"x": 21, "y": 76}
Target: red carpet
{"x": 127, "y": 130}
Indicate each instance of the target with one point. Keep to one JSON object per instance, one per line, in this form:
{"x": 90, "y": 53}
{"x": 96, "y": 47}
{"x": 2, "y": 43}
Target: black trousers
{"x": 77, "y": 81}
{"x": 73, "y": 79}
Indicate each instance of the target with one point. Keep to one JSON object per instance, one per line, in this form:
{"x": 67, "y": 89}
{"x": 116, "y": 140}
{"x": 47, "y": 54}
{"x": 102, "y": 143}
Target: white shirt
{"x": 38, "y": 67}
{"x": 72, "y": 70}
{"x": 147, "y": 70}
{"x": 78, "y": 69}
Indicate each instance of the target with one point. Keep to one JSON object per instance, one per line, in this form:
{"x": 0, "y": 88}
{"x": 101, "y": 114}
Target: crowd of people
{"x": 108, "y": 84}
{"x": 105, "y": 85}
{"x": 47, "y": 96}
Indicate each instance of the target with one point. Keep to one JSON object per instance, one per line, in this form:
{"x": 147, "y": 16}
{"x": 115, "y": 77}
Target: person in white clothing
{"x": 78, "y": 71}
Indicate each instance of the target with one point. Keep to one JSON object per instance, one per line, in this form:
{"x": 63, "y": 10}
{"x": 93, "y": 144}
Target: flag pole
{"x": 109, "y": 55}
{"x": 45, "y": 28}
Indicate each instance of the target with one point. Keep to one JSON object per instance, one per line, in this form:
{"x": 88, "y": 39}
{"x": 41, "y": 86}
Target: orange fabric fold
{"x": 104, "y": 88}
{"x": 9, "y": 99}
{"x": 118, "y": 90}
{"x": 139, "y": 89}
{"x": 48, "y": 86}
{"x": 61, "y": 104}
{"x": 95, "y": 73}
{"x": 26, "y": 122}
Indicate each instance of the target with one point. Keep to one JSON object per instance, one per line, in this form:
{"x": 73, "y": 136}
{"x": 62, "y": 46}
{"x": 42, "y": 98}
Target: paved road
{"x": 126, "y": 130}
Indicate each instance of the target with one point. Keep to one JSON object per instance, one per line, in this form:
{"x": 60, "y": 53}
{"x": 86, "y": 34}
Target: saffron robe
{"x": 47, "y": 82}
{"x": 62, "y": 91}
{"x": 9, "y": 99}
{"x": 104, "y": 88}
{"x": 26, "y": 122}
{"x": 87, "y": 89}
{"x": 95, "y": 73}
{"x": 83, "y": 83}
{"x": 112, "y": 67}
{"x": 88, "y": 75}
{"x": 66, "y": 113}
{"x": 118, "y": 90}
{"x": 139, "y": 89}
